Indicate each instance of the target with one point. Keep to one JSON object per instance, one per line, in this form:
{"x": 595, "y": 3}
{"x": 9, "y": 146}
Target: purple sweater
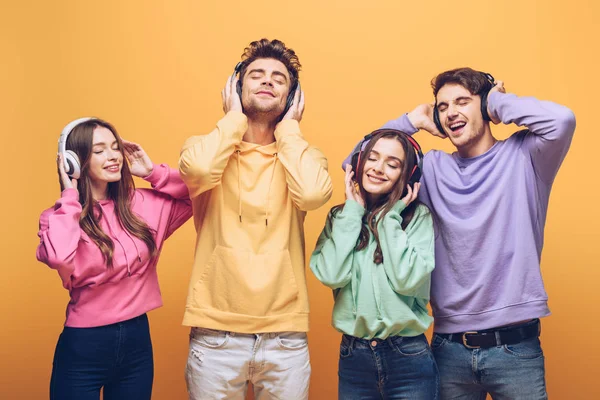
{"x": 489, "y": 213}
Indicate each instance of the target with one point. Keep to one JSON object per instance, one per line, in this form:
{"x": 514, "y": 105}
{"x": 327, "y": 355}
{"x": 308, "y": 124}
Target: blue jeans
{"x": 508, "y": 372}
{"x": 117, "y": 357}
{"x": 395, "y": 368}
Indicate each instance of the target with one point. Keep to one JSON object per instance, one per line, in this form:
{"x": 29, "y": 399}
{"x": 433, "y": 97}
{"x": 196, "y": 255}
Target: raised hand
{"x": 498, "y": 87}
{"x": 297, "y": 108}
{"x": 412, "y": 194}
{"x": 65, "y": 181}
{"x": 351, "y": 192}
{"x": 230, "y": 97}
{"x": 139, "y": 162}
{"x": 422, "y": 118}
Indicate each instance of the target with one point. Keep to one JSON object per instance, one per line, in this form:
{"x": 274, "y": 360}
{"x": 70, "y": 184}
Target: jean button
{"x": 374, "y": 343}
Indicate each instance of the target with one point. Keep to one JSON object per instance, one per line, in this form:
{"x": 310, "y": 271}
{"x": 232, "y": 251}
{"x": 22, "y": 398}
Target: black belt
{"x": 496, "y": 336}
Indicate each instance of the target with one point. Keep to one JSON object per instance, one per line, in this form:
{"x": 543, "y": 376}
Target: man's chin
{"x": 263, "y": 110}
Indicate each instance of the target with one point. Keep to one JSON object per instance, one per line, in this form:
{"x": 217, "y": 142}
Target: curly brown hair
{"x": 275, "y": 49}
{"x": 475, "y": 82}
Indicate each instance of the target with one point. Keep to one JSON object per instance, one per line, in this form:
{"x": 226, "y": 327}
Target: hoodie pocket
{"x": 241, "y": 282}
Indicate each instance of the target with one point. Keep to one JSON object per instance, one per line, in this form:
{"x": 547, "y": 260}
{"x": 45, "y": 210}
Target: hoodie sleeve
{"x": 204, "y": 158}
{"x": 551, "y": 127}
{"x": 168, "y": 181}
{"x": 331, "y": 262}
{"x": 59, "y": 235}
{"x": 408, "y": 256}
{"x": 307, "y": 178}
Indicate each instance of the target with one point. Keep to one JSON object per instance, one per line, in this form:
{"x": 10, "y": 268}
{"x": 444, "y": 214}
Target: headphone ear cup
{"x": 290, "y": 99}
{"x": 436, "y": 120}
{"x": 238, "y": 87}
{"x": 416, "y": 177}
{"x": 72, "y": 166}
{"x": 484, "y": 110}
{"x": 354, "y": 162}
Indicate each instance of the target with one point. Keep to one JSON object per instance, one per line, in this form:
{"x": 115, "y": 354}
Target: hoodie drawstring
{"x": 239, "y": 185}
{"x": 269, "y": 190}
{"x": 114, "y": 237}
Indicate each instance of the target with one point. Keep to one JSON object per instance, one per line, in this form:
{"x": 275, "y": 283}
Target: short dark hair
{"x": 265, "y": 48}
{"x": 474, "y": 81}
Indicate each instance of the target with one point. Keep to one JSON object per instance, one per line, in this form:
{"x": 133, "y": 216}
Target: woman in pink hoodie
{"x": 104, "y": 237}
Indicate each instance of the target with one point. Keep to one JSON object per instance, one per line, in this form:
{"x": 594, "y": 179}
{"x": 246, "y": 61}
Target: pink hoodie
{"x": 99, "y": 295}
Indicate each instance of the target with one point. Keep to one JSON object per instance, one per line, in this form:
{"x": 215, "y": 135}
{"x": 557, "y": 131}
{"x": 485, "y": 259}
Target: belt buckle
{"x": 464, "y": 340}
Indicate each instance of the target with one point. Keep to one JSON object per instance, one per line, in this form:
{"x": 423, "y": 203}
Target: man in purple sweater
{"x": 489, "y": 200}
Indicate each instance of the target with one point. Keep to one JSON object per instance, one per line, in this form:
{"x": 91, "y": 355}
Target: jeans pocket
{"x": 210, "y": 338}
{"x": 437, "y": 342}
{"x": 528, "y": 348}
{"x": 410, "y": 346}
{"x": 345, "y": 347}
{"x": 292, "y": 340}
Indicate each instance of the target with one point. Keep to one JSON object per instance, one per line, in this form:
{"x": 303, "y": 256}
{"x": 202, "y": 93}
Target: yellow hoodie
{"x": 249, "y": 206}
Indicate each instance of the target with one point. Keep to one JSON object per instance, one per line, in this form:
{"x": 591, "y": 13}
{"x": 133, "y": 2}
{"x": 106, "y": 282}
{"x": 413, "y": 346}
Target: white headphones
{"x": 72, "y": 165}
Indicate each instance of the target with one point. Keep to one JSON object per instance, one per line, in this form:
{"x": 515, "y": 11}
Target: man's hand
{"x": 297, "y": 108}
{"x": 422, "y": 118}
{"x": 498, "y": 87}
{"x": 229, "y": 95}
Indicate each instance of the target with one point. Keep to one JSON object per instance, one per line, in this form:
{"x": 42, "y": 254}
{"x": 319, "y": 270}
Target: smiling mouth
{"x": 266, "y": 93}
{"x": 375, "y": 179}
{"x": 112, "y": 168}
{"x": 456, "y": 126}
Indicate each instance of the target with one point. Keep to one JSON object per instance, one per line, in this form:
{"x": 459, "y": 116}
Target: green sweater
{"x": 377, "y": 301}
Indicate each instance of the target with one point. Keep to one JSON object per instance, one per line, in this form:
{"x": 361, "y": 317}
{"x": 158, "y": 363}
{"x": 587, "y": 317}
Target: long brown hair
{"x": 81, "y": 141}
{"x": 377, "y": 211}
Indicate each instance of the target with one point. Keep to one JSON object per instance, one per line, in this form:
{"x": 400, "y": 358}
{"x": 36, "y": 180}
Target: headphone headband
{"x": 62, "y": 140}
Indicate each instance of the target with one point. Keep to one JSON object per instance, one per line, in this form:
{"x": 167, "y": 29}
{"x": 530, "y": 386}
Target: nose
{"x": 451, "y": 112}
{"x": 112, "y": 154}
{"x": 378, "y": 167}
{"x": 267, "y": 81}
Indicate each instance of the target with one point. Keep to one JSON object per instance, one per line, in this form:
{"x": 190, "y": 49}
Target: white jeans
{"x": 220, "y": 365}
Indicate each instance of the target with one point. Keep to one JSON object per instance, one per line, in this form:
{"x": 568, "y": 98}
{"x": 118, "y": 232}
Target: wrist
{"x": 416, "y": 119}
{"x": 149, "y": 172}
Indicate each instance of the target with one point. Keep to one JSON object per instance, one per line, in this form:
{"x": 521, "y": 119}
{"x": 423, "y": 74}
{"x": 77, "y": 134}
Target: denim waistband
{"x": 140, "y": 318}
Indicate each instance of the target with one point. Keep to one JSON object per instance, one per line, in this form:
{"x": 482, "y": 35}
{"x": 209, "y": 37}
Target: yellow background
{"x": 156, "y": 68}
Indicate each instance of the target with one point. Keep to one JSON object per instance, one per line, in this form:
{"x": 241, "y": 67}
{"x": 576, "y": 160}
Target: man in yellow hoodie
{"x": 252, "y": 180}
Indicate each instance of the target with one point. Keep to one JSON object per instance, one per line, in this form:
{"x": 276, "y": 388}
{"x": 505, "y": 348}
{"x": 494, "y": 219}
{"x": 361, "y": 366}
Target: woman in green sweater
{"x": 377, "y": 252}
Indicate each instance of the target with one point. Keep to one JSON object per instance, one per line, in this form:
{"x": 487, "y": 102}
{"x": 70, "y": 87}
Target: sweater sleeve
{"x": 331, "y": 262}
{"x": 168, "y": 181}
{"x": 402, "y": 124}
{"x": 204, "y": 158}
{"x": 408, "y": 255}
{"x": 307, "y": 178}
{"x": 59, "y": 234}
{"x": 551, "y": 127}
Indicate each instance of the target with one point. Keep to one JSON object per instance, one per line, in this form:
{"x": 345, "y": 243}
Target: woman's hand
{"x": 139, "y": 162}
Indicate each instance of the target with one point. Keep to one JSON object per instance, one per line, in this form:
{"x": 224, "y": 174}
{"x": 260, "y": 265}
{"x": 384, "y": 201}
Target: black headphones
{"x": 291, "y": 94}
{"x": 415, "y": 175}
{"x": 483, "y": 95}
